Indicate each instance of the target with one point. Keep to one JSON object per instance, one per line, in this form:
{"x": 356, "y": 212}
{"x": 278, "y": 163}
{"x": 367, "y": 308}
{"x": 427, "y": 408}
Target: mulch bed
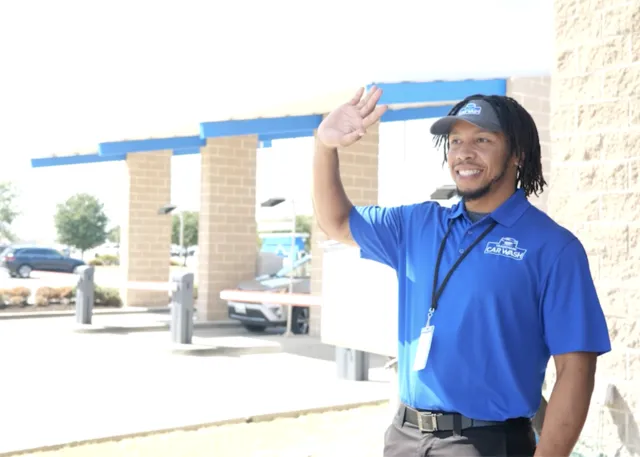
{"x": 51, "y": 307}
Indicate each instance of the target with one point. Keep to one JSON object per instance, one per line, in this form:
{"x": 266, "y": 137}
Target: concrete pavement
{"x": 61, "y": 386}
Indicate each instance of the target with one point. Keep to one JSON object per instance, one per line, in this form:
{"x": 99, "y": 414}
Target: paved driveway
{"x": 62, "y": 386}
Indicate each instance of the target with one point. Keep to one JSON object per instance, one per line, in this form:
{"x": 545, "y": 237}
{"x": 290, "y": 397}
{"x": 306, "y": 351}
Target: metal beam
{"x": 286, "y": 135}
{"x": 77, "y": 159}
{"x": 153, "y": 144}
{"x": 439, "y": 91}
{"x": 260, "y": 126}
{"x": 410, "y": 114}
{"x": 186, "y": 151}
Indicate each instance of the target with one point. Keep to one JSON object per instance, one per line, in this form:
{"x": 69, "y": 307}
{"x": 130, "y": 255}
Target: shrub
{"x": 23, "y": 292}
{"x": 109, "y": 260}
{"x": 47, "y": 293}
{"x": 95, "y": 262}
{"x": 18, "y": 296}
{"x": 17, "y": 300}
{"x": 45, "y": 296}
{"x": 175, "y": 263}
{"x": 107, "y": 296}
{"x": 67, "y": 292}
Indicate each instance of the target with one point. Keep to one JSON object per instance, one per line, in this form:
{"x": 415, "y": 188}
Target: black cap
{"x": 476, "y": 112}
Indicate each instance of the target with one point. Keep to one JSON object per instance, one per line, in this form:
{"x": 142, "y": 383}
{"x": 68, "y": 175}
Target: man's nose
{"x": 465, "y": 152}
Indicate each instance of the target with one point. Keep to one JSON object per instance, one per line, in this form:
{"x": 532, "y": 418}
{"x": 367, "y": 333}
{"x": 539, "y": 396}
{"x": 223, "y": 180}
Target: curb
{"x": 108, "y": 312}
{"x": 193, "y": 427}
{"x": 200, "y": 350}
{"x": 156, "y": 327}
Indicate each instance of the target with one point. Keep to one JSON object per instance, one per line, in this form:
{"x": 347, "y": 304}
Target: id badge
{"x": 424, "y": 346}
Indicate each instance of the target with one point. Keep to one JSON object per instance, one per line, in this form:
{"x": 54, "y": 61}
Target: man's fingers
{"x": 352, "y": 137}
{"x": 365, "y": 100}
{"x": 356, "y": 98}
{"x": 370, "y": 102}
{"x": 374, "y": 116}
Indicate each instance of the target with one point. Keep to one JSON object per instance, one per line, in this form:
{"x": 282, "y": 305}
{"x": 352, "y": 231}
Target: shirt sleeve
{"x": 572, "y": 315}
{"x": 378, "y": 232}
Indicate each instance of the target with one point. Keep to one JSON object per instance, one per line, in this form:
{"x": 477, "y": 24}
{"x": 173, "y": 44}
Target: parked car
{"x": 22, "y": 260}
{"x": 256, "y": 317}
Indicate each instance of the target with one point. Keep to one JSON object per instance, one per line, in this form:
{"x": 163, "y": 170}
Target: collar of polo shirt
{"x": 506, "y": 214}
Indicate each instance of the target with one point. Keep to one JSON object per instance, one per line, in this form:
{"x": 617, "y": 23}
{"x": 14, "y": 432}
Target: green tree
{"x": 8, "y": 210}
{"x": 191, "y": 219}
{"x": 113, "y": 235}
{"x": 81, "y": 222}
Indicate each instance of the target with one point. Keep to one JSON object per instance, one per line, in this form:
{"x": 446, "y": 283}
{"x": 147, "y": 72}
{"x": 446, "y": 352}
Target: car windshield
{"x": 286, "y": 271}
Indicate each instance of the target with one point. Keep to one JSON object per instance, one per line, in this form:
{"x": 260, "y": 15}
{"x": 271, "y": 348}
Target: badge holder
{"x": 424, "y": 344}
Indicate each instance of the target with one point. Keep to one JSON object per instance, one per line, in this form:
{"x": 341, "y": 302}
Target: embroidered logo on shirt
{"x": 470, "y": 108}
{"x": 506, "y": 247}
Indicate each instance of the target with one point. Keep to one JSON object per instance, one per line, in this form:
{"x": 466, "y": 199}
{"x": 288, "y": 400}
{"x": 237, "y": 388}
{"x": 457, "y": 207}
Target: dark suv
{"x": 22, "y": 260}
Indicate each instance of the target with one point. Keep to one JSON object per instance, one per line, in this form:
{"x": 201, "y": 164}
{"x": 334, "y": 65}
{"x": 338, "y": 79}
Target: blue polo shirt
{"x": 522, "y": 295}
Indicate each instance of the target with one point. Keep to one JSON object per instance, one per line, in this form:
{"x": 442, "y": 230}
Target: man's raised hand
{"x": 349, "y": 122}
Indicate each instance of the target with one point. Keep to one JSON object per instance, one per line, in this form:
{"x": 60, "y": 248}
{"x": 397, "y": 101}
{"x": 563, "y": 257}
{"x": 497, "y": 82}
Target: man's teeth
{"x": 468, "y": 172}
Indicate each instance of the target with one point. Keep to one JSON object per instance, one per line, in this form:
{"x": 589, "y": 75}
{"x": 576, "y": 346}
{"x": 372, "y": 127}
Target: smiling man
{"x": 489, "y": 290}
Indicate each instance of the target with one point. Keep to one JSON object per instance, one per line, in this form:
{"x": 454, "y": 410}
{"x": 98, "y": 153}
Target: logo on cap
{"x": 470, "y": 108}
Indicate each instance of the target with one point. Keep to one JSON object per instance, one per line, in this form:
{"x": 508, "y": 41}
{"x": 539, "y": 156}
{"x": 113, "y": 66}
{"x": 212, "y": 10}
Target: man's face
{"x": 478, "y": 161}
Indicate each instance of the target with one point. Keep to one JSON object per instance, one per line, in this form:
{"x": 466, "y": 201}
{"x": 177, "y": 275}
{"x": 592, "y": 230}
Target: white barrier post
{"x": 352, "y": 365}
{"x": 85, "y": 293}
{"x": 182, "y": 308}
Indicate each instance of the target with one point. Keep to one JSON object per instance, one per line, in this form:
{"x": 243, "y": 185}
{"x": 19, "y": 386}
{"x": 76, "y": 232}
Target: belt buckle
{"x": 427, "y": 422}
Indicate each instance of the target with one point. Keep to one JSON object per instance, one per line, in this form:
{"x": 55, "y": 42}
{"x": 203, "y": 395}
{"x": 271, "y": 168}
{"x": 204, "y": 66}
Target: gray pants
{"x": 509, "y": 440}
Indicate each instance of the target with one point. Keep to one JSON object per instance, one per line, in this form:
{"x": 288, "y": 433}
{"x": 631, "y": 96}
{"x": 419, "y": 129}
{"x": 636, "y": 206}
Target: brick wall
{"x": 533, "y": 93}
{"x": 145, "y": 237}
{"x": 228, "y": 240}
{"x": 359, "y": 173}
{"x": 595, "y": 126}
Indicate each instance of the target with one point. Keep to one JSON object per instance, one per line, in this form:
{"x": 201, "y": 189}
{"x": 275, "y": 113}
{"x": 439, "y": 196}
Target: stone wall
{"x": 228, "y": 241}
{"x": 146, "y": 235}
{"x": 595, "y": 162}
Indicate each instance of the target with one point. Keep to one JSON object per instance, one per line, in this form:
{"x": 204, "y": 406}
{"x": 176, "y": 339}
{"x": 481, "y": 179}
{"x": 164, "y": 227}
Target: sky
{"x": 77, "y": 73}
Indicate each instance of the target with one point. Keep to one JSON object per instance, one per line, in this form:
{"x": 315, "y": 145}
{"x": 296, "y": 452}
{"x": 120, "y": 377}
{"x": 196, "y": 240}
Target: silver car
{"x": 256, "y": 317}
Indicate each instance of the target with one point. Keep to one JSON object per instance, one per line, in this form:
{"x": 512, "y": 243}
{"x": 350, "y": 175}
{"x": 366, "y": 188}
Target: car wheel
{"x": 24, "y": 271}
{"x": 255, "y": 328}
{"x": 300, "y": 320}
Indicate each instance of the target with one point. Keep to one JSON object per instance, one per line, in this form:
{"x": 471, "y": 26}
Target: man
{"x": 489, "y": 290}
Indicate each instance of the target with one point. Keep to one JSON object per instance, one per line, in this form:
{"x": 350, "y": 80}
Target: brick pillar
{"x": 533, "y": 94}
{"x": 359, "y": 173}
{"x": 227, "y": 232}
{"x": 595, "y": 189}
{"x": 145, "y": 236}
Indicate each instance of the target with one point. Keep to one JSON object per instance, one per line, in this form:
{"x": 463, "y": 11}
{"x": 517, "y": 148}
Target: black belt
{"x": 429, "y": 422}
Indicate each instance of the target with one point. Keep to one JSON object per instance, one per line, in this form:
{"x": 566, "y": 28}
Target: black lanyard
{"x": 437, "y": 292}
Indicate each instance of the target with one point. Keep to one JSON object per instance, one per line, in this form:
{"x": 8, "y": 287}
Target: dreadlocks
{"x": 521, "y": 135}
